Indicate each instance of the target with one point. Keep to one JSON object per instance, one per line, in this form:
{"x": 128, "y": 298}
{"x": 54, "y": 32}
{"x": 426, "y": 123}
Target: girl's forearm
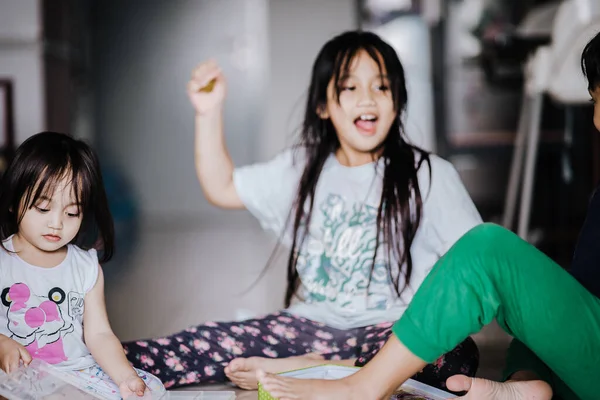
{"x": 108, "y": 353}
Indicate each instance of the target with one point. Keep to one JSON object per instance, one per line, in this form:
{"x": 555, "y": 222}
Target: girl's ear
{"x": 322, "y": 112}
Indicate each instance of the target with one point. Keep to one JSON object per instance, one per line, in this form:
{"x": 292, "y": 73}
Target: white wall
{"x": 298, "y": 30}
{"x": 19, "y": 20}
{"x": 143, "y": 58}
{"x": 21, "y": 61}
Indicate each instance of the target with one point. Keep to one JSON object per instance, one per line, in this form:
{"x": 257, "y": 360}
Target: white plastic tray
{"x": 409, "y": 389}
{"x": 40, "y": 381}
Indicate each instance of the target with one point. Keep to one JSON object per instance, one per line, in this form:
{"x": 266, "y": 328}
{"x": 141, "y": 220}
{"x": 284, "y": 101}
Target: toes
{"x": 236, "y": 364}
{"x": 233, "y": 376}
{"x": 244, "y": 380}
{"x": 232, "y": 373}
{"x": 459, "y": 383}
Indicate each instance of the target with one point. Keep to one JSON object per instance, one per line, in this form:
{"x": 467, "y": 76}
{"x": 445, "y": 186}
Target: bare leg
{"x": 392, "y": 366}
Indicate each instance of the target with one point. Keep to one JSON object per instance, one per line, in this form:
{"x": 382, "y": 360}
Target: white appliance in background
{"x": 553, "y": 70}
{"x": 409, "y": 36}
{"x": 538, "y": 22}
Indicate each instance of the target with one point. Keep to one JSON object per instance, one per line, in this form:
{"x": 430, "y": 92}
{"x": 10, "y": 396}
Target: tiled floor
{"x": 187, "y": 272}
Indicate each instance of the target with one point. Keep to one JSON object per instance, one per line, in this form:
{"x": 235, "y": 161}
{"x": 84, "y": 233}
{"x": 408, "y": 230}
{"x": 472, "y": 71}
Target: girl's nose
{"x": 366, "y": 98}
{"x": 55, "y": 221}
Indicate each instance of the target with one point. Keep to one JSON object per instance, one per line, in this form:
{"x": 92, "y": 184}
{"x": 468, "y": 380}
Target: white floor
{"x": 185, "y": 272}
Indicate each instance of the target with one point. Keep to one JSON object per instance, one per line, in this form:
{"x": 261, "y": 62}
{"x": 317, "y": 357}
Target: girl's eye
{"x": 383, "y": 88}
{"x": 42, "y": 210}
{"x": 73, "y": 212}
{"x": 348, "y": 88}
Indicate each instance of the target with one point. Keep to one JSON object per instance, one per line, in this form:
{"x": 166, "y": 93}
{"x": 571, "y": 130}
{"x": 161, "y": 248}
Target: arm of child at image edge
{"x": 586, "y": 260}
{"x": 214, "y": 166}
{"x": 104, "y": 345}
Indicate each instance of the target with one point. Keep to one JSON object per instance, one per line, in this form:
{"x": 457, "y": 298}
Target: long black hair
{"x": 399, "y": 212}
{"x": 590, "y": 62}
{"x": 42, "y": 161}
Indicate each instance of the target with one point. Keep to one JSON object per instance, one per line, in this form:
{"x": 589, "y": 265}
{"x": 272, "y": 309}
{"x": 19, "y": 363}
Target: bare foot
{"x": 283, "y": 388}
{"x": 483, "y": 389}
{"x": 242, "y": 371}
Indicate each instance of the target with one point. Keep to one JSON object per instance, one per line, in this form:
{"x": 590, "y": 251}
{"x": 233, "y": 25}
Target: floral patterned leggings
{"x": 200, "y": 354}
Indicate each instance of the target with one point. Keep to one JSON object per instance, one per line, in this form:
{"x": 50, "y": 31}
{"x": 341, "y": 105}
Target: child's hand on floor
{"x": 133, "y": 385}
{"x": 11, "y": 353}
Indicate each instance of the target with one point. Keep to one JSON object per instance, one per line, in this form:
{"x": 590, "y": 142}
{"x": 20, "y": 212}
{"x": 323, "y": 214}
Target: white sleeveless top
{"x": 42, "y": 308}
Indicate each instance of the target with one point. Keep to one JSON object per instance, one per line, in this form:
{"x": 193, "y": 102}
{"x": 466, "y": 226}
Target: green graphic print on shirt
{"x": 335, "y": 261}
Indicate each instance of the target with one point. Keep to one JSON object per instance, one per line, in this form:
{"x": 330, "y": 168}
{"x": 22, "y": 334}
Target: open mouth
{"x": 366, "y": 123}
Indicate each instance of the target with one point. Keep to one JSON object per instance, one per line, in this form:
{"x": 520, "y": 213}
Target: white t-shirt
{"x": 42, "y": 308}
{"x": 335, "y": 261}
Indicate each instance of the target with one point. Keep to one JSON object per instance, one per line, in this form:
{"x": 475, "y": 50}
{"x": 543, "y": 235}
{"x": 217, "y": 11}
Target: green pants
{"x": 492, "y": 273}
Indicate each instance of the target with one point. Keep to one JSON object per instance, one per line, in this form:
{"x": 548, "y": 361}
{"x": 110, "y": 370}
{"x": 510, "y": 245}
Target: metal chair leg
{"x": 530, "y": 161}
{"x": 516, "y": 168}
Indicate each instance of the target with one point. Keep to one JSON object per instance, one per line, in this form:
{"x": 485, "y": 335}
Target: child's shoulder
{"x": 85, "y": 266}
{"x": 293, "y": 157}
{"x": 432, "y": 163}
{"x": 81, "y": 255}
{"x": 436, "y": 175}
